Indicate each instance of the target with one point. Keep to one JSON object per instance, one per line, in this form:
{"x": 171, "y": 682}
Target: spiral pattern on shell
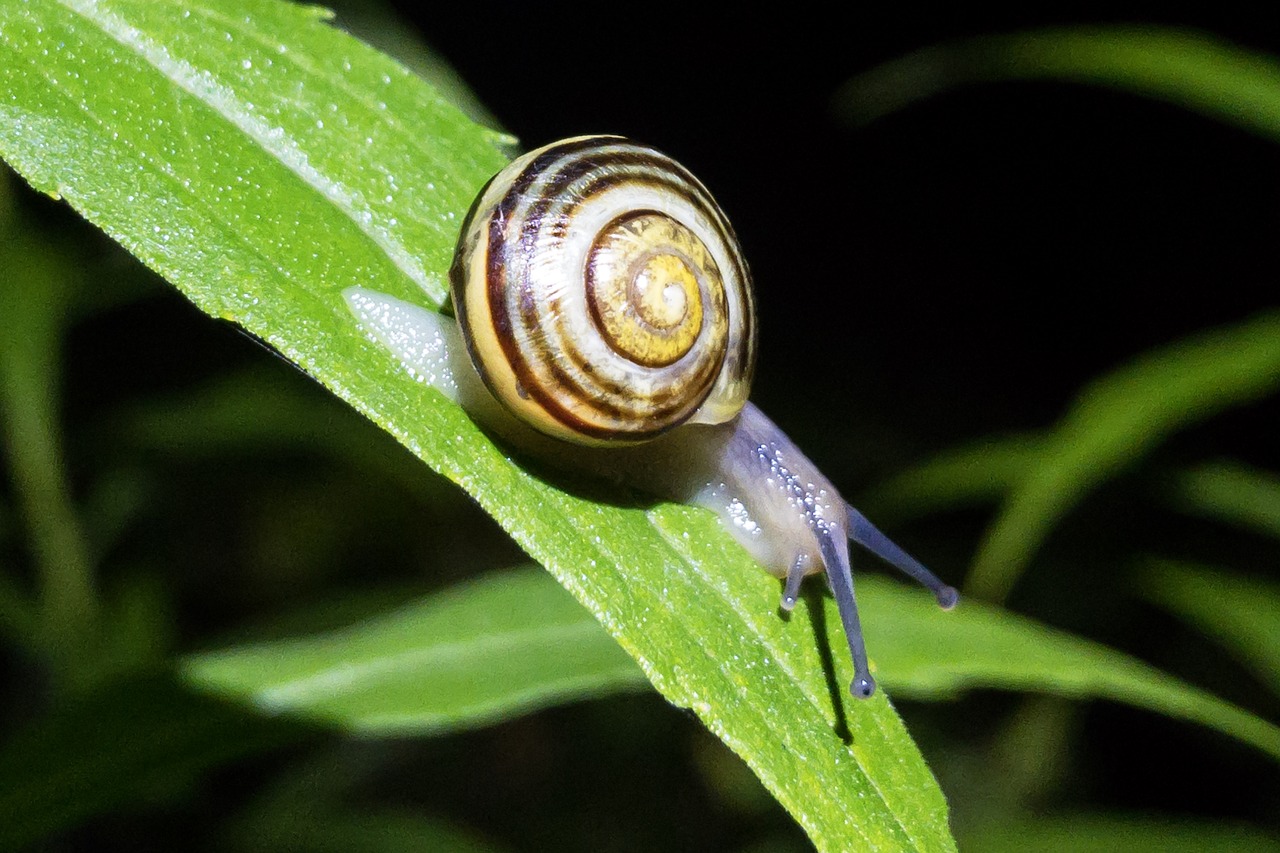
{"x": 602, "y": 294}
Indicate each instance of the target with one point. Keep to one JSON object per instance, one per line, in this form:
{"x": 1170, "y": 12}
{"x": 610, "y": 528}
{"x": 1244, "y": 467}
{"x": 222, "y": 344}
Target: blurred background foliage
{"x": 1029, "y": 325}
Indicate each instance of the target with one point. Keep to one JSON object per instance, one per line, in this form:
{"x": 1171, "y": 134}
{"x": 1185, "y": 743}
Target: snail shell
{"x": 602, "y": 294}
{"x": 602, "y": 299}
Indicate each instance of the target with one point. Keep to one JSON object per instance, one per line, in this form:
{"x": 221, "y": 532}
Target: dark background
{"x": 965, "y": 264}
{"x": 952, "y": 272}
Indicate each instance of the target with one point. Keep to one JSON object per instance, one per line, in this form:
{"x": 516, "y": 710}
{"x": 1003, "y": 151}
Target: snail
{"x": 602, "y": 300}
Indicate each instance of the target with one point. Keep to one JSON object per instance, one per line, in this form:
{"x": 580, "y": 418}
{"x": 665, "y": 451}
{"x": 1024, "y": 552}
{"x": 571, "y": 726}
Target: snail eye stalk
{"x": 869, "y": 537}
{"x": 835, "y": 555}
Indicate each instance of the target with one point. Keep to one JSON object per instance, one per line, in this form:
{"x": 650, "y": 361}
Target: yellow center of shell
{"x": 648, "y": 278}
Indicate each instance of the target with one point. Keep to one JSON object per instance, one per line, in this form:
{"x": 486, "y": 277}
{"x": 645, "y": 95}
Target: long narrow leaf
{"x": 487, "y": 650}
{"x": 924, "y": 656}
{"x": 980, "y": 473}
{"x": 121, "y": 745}
{"x": 1235, "y": 493}
{"x": 472, "y": 654}
{"x": 1193, "y": 70}
{"x": 1243, "y": 614}
{"x": 1115, "y": 422}
{"x": 263, "y": 162}
{"x": 1103, "y": 833}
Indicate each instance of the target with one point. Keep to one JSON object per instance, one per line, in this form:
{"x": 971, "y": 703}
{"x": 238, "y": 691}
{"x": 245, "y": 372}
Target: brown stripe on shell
{"x": 607, "y": 430}
{"x": 610, "y": 398}
{"x": 570, "y": 201}
{"x": 658, "y": 178}
{"x": 705, "y": 379}
{"x": 497, "y": 272}
{"x": 658, "y": 407}
{"x": 538, "y": 223}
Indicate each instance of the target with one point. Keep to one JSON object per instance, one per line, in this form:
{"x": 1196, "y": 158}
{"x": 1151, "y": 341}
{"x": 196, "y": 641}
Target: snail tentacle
{"x": 795, "y": 577}
{"x": 869, "y": 537}
{"x": 835, "y": 554}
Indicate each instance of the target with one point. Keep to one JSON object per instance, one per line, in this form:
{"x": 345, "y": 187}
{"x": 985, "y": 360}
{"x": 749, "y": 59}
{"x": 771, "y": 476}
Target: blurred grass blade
{"x": 1107, "y": 833}
{"x": 262, "y": 411}
{"x": 1114, "y": 422}
{"x": 37, "y": 287}
{"x": 1193, "y": 70}
{"x": 117, "y": 746}
{"x": 1242, "y": 614}
{"x": 376, "y": 22}
{"x": 1123, "y": 415}
{"x": 1233, "y": 493}
{"x": 481, "y": 652}
{"x": 977, "y": 474}
{"x": 330, "y": 827}
{"x": 314, "y": 805}
{"x": 128, "y": 743}
{"x": 263, "y": 162}
{"x": 927, "y": 654}
{"x": 471, "y": 655}
{"x": 19, "y": 623}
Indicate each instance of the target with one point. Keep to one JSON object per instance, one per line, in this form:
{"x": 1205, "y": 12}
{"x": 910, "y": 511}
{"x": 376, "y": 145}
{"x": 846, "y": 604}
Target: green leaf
{"x": 1120, "y": 417}
{"x": 1240, "y": 613}
{"x": 435, "y": 674}
{"x": 259, "y": 411}
{"x": 127, "y": 743}
{"x": 316, "y": 804}
{"x": 1114, "y": 422}
{"x": 484, "y": 651}
{"x": 1107, "y": 833}
{"x": 514, "y": 641}
{"x": 263, "y": 162}
{"x": 1193, "y": 70}
{"x": 1232, "y": 492}
{"x": 37, "y": 283}
{"x": 344, "y": 830}
{"x": 976, "y": 474}
{"x": 922, "y": 653}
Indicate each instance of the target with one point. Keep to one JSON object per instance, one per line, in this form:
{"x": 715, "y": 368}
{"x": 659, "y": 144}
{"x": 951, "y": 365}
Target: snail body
{"x": 601, "y": 299}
